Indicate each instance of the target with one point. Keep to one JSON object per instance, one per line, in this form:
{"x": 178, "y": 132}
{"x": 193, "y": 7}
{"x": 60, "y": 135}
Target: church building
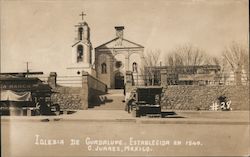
{"x": 115, "y": 57}
{"x": 111, "y": 60}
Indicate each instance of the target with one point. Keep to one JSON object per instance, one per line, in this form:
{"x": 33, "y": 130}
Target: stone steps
{"x": 113, "y": 100}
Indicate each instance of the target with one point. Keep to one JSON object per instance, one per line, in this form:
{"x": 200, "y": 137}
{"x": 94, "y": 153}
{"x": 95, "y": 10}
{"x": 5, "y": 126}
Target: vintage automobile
{"x": 145, "y": 101}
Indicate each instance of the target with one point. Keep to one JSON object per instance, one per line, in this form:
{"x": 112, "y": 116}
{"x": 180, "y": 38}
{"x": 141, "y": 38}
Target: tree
{"x": 187, "y": 55}
{"x": 237, "y": 58}
{"x": 151, "y": 60}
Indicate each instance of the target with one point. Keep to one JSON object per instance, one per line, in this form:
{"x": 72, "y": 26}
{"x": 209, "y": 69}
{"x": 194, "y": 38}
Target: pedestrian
{"x": 130, "y": 102}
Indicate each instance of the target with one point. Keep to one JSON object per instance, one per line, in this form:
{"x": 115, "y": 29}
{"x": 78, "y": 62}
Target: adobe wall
{"x": 95, "y": 89}
{"x": 201, "y": 97}
{"x": 100, "y": 59}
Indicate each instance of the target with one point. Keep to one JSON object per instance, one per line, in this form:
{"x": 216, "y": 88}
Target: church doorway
{"x": 119, "y": 80}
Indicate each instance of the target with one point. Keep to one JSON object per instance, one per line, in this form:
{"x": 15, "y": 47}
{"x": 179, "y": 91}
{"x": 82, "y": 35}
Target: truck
{"x": 145, "y": 101}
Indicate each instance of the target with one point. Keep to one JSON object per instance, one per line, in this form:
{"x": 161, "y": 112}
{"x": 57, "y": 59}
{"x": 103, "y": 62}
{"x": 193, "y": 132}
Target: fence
{"x": 195, "y": 79}
{"x": 145, "y": 80}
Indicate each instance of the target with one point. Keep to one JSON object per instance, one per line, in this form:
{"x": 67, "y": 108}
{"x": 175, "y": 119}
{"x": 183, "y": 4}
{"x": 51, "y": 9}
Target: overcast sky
{"x": 42, "y": 32}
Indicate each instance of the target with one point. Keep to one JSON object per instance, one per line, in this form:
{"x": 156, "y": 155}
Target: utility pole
{"x": 27, "y": 69}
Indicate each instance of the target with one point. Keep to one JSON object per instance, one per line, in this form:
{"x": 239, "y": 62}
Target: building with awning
{"x": 9, "y": 95}
{"x": 20, "y": 91}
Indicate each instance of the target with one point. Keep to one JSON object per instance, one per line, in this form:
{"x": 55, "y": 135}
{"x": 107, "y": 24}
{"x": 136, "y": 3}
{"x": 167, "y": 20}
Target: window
{"x": 118, "y": 64}
{"x": 80, "y": 32}
{"x": 79, "y": 53}
{"x": 104, "y": 68}
{"x": 134, "y": 67}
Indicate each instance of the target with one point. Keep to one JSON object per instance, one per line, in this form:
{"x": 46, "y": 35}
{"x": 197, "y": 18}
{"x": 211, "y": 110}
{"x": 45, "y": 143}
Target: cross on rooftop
{"x": 82, "y": 15}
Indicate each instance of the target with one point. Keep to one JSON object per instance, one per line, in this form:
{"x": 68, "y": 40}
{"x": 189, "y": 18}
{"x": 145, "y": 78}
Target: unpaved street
{"x": 76, "y": 138}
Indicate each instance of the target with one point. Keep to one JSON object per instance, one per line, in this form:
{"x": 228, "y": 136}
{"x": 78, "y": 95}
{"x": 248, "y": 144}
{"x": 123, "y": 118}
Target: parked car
{"x": 145, "y": 101}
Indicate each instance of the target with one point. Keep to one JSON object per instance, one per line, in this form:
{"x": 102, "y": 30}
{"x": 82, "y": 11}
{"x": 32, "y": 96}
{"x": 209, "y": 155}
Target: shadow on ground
{"x": 165, "y": 114}
{"x": 99, "y": 102}
{"x": 67, "y": 112}
{"x": 170, "y": 114}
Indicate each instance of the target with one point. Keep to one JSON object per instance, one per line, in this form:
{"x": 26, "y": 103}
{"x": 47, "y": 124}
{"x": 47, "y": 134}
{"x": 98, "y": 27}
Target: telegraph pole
{"x": 27, "y": 69}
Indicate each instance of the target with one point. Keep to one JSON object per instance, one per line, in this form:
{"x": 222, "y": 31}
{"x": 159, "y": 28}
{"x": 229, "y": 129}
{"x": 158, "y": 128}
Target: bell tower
{"x": 82, "y": 48}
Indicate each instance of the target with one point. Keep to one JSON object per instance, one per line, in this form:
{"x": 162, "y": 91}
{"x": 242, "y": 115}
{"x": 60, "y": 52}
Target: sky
{"x": 42, "y": 32}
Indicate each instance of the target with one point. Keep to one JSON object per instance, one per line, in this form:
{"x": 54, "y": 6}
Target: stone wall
{"x": 201, "y": 97}
{"x": 69, "y": 97}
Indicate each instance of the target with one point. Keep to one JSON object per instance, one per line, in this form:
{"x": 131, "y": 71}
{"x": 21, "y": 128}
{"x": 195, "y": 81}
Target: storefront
{"x": 19, "y": 93}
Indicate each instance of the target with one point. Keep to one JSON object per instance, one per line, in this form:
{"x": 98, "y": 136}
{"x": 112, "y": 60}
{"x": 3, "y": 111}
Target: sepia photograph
{"x": 89, "y": 78}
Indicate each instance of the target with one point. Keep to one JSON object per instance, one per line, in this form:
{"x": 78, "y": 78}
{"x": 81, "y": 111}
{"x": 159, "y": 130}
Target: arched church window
{"x": 104, "y": 68}
{"x": 80, "y": 33}
{"x": 79, "y": 53}
{"x": 134, "y": 67}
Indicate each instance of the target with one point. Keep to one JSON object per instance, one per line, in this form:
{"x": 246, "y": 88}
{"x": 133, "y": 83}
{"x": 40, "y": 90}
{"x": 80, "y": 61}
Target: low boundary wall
{"x": 77, "y": 97}
{"x": 202, "y": 97}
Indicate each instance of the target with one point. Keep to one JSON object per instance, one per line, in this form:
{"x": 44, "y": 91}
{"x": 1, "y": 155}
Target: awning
{"x": 9, "y": 95}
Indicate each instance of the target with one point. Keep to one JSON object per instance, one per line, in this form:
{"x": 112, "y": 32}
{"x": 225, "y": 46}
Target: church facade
{"x": 115, "y": 57}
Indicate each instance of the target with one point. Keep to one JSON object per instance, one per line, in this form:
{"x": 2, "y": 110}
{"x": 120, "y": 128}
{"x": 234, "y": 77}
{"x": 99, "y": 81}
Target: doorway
{"x": 119, "y": 80}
